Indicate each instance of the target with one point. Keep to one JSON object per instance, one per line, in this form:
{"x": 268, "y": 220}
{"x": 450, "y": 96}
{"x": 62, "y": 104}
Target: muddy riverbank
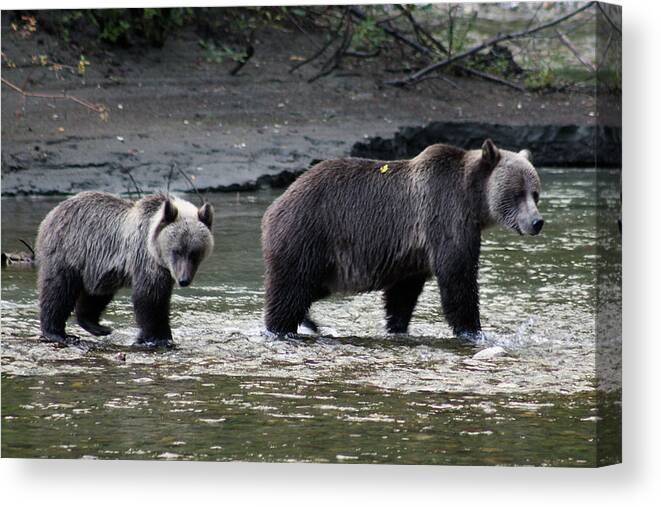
{"x": 170, "y": 105}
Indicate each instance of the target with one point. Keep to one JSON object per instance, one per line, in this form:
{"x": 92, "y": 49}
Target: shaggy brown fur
{"x": 357, "y": 225}
{"x": 94, "y": 243}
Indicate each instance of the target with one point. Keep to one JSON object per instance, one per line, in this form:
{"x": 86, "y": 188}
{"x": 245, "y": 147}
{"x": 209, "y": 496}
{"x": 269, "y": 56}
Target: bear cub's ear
{"x": 490, "y": 154}
{"x": 205, "y": 214}
{"x": 170, "y": 212}
{"x": 526, "y": 154}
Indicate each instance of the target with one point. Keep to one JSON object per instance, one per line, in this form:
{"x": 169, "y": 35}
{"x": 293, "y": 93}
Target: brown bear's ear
{"x": 490, "y": 154}
{"x": 170, "y": 212}
{"x": 205, "y": 214}
{"x": 526, "y": 154}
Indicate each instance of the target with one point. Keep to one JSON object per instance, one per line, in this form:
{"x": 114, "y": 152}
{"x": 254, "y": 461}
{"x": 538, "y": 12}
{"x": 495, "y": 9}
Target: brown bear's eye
{"x": 535, "y": 196}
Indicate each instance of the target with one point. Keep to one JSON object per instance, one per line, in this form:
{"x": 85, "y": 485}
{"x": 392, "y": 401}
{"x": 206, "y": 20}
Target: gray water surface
{"x": 354, "y": 394}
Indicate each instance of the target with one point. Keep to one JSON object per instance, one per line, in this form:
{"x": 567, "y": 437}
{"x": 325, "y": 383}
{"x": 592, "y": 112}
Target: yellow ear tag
{"x": 384, "y": 168}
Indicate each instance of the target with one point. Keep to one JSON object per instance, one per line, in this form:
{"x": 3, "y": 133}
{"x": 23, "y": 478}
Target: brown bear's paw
{"x": 95, "y": 329}
{"x": 60, "y": 340}
{"x": 154, "y": 343}
{"x": 470, "y": 337}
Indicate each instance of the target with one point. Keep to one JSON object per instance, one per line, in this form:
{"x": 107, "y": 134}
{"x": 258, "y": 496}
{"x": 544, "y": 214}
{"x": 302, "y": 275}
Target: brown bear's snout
{"x": 537, "y": 225}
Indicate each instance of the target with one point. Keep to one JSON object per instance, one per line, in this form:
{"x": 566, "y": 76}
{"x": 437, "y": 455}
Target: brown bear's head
{"x": 512, "y": 189}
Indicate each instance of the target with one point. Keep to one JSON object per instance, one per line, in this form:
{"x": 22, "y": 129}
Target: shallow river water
{"x": 352, "y": 395}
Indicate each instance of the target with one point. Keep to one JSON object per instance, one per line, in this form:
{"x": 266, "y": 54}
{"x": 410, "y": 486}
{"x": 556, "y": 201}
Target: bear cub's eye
{"x": 535, "y": 196}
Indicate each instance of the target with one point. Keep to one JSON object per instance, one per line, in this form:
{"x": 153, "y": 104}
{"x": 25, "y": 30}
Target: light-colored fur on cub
{"x": 94, "y": 243}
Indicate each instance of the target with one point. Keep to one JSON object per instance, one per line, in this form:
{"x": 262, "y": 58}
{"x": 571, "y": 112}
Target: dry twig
{"x": 97, "y": 108}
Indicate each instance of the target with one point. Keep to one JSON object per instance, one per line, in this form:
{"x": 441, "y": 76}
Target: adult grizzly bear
{"x": 94, "y": 243}
{"x": 356, "y": 225}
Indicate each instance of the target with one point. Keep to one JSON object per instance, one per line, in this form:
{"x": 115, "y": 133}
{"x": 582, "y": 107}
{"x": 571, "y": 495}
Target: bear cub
{"x": 356, "y": 225}
{"x": 93, "y": 244}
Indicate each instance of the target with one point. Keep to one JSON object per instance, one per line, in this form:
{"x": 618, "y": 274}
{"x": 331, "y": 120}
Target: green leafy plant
{"x": 368, "y": 35}
{"x": 540, "y": 79}
{"x": 218, "y": 54}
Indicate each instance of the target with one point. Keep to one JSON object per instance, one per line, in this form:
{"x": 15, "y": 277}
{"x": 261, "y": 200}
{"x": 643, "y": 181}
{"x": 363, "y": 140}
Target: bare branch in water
{"x": 135, "y": 184}
{"x": 28, "y": 246}
{"x": 167, "y": 188}
{"x": 191, "y": 183}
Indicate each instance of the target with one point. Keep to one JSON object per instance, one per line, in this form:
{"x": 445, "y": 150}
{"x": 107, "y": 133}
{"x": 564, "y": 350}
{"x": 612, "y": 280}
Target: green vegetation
{"x": 218, "y": 54}
{"x": 555, "y": 58}
{"x": 121, "y": 27}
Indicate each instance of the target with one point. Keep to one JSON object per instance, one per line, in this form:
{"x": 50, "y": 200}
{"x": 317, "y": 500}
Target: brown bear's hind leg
{"x": 88, "y": 313}
{"x": 286, "y": 306}
{"x": 320, "y": 293}
{"x": 58, "y": 291}
{"x": 286, "y": 309}
{"x": 400, "y": 300}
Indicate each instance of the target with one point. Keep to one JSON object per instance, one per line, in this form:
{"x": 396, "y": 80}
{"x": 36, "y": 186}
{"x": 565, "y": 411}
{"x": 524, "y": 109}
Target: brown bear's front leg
{"x": 151, "y": 304}
{"x": 400, "y": 300}
{"x": 456, "y": 273}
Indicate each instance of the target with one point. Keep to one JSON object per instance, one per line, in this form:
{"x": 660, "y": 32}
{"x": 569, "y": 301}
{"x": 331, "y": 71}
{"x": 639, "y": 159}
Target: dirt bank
{"x": 169, "y": 106}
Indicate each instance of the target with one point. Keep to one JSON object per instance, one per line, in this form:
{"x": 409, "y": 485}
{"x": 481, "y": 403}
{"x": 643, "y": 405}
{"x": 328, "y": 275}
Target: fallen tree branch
{"x": 490, "y": 77}
{"x": 568, "y": 44}
{"x": 250, "y": 51}
{"x": 601, "y": 62}
{"x": 97, "y": 108}
{"x": 393, "y": 33}
{"x": 363, "y": 54}
{"x": 610, "y": 21}
{"x": 323, "y": 48}
{"x": 442, "y": 78}
{"x": 334, "y": 61}
{"x": 427, "y": 52}
{"x": 413, "y": 78}
{"x": 297, "y": 25}
{"x": 420, "y": 30}
{"x": 316, "y": 55}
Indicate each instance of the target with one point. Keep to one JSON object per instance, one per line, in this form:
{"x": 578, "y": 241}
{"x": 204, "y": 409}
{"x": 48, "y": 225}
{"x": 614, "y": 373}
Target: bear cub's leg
{"x": 151, "y": 304}
{"x": 88, "y": 313}
{"x": 400, "y": 300}
{"x": 59, "y": 290}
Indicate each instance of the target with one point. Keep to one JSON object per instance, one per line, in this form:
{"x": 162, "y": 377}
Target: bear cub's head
{"x": 512, "y": 189}
{"x": 181, "y": 238}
